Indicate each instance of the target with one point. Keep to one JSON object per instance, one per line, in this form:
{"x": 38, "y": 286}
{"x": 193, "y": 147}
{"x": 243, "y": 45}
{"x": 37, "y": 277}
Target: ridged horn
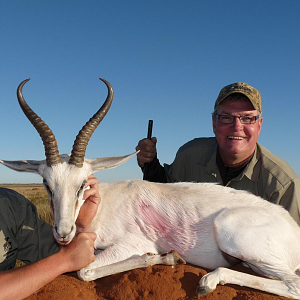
{"x": 84, "y": 135}
{"x": 48, "y": 138}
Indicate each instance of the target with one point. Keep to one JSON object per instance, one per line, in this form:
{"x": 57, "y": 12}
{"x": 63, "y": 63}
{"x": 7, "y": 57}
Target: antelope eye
{"x": 48, "y": 188}
{"x": 46, "y": 184}
{"x": 83, "y": 184}
{"x": 81, "y": 188}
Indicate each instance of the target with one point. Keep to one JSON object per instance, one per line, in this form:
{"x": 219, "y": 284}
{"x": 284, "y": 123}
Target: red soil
{"x": 153, "y": 283}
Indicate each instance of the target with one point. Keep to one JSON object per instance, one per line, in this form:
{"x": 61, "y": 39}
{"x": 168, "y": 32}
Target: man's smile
{"x": 231, "y": 137}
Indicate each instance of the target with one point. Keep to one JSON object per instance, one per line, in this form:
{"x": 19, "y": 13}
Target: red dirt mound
{"x": 153, "y": 283}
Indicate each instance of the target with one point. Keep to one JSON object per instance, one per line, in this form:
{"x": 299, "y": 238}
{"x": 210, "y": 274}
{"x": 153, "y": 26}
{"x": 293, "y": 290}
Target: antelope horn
{"x": 84, "y": 135}
{"x": 48, "y": 138}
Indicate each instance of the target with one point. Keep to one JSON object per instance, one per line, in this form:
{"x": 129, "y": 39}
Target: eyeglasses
{"x": 226, "y": 119}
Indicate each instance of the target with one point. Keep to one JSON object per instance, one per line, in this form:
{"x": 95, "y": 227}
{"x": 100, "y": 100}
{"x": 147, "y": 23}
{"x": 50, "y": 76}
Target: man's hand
{"x": 80, "y": 252}
{"x": 147, "y": 152}
{"x": 90, "y": 206}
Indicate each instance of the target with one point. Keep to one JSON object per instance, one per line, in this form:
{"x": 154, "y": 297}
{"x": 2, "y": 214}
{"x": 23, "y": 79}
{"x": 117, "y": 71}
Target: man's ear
{"x": 260, "y": 121}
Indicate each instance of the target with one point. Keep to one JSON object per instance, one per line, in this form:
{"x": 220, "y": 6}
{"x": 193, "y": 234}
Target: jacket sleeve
{"x": 156, "y": 172}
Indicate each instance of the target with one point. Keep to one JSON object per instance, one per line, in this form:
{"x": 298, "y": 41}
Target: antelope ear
{"x": 31, "y": 166}
{"x": 103, "y": 163}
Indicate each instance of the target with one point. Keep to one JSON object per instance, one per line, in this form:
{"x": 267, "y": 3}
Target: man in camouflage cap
{"x": 233, "y": 157}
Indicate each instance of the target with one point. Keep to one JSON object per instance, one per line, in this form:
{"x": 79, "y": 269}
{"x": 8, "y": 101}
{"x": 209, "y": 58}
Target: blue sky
{"x": 166, "y": 60}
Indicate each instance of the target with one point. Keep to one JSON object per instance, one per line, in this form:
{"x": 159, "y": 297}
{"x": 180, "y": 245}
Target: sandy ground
{"x": 153, "y": 283}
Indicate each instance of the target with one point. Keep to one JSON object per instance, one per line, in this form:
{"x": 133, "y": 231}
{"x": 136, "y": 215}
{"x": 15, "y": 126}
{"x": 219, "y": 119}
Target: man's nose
{"x": 237, "y": 123}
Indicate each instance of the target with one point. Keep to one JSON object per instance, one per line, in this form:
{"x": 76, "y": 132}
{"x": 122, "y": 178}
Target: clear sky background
{"x": 166, "y": 60}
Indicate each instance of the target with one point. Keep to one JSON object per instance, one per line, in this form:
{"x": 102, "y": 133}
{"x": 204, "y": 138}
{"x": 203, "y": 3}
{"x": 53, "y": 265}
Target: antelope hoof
{"x": 86, "y": 274}
{"x": 207, "y": 284}
{"x": 203, "y": 290}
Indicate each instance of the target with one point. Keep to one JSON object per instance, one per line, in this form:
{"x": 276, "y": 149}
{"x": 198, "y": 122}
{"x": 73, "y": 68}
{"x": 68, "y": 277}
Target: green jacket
{"x": 266, "y": 175}
{"x": 22, "y": 234}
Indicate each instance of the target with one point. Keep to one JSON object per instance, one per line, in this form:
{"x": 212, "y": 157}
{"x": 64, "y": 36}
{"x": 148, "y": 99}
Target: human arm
{"x": 22, "y": 282}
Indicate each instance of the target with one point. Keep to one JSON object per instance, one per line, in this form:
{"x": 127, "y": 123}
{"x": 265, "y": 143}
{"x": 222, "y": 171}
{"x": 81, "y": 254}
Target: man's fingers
{"x": 92, "y": 195}
{"x": 93, "y": 184}
{"x": 92, "y": 181}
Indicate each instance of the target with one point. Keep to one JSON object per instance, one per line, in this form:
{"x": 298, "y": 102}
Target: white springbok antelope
{"x": 137, "y": 221}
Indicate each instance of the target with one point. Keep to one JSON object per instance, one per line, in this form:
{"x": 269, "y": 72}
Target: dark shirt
{"x": 22, "y": 234}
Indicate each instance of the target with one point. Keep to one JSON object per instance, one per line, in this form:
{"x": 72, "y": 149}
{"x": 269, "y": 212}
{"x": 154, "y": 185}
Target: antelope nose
{"x": 62, "y": 233}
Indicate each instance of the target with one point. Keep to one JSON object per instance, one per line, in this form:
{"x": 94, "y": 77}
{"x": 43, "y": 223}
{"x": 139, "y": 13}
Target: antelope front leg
{"x": 149, "y": 259}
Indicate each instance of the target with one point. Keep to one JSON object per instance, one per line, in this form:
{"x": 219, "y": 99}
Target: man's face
{"x": 236, "y": 141}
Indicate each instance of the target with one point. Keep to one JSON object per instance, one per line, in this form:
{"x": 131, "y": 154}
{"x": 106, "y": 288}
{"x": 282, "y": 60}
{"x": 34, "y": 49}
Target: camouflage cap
{"x": 240, "y": 87}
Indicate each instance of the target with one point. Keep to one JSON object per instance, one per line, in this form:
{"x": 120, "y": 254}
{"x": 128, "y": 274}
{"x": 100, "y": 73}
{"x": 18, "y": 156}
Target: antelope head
{"x": 64, "y": 176}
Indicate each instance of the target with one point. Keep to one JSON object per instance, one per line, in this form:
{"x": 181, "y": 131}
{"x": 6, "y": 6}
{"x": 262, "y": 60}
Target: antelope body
{"x": 137, "y": 221}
